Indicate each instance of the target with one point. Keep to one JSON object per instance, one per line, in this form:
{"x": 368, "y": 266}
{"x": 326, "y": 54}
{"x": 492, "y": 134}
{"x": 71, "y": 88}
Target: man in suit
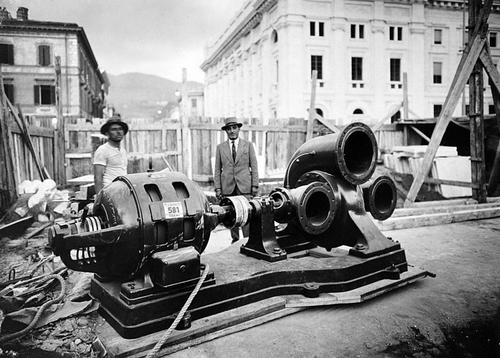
{"x": 235, "y": 168}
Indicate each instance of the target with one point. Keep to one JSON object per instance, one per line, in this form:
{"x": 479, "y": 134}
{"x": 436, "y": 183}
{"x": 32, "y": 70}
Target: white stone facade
{"x": 261, "y": 65}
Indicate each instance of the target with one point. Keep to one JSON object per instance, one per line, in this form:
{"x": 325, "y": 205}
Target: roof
{"x": 49, "y": 26}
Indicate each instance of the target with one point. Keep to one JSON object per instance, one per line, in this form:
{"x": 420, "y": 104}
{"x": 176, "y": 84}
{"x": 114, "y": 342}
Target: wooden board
{"x": 241, "y": 318}
{"x": 440, "y": 218}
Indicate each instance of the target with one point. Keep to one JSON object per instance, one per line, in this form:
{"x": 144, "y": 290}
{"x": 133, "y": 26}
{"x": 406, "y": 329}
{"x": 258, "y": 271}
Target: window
{"x": 44, "y": 55}
{"x": 395, "y": 33}
{"x": 437, "y": 110}
{"x": 360, "y": 33}
{"x": 395, "y": 70}
{"x": 491, "y": 109}
{"x": 9, "y": 91}
{"x": 319, "y": 112}
{"x": 194, "y": 103}
{"x": 317, "y": 64}
{"x": 493, "y": 39}
{"x": 45, "y": 95}
{"x": 437, "y": 76}
{"x": 357, "y": 111}
{"x": 7, "y": 54}
{"x": 438, "y": 36}
{"x": 274, "y": 36}
{"x": 312, "y": 28}
{"x": 320, "y": 28}
{"x": 357, "y": 68}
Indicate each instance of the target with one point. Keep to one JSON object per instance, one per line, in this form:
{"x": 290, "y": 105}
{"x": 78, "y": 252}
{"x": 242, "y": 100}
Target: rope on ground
{"x": 183, "y": 310}
{"x": 40, "y": 311}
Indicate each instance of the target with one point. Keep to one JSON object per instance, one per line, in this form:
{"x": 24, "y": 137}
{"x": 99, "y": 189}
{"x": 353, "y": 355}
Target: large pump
{"x": 146, "y": 232}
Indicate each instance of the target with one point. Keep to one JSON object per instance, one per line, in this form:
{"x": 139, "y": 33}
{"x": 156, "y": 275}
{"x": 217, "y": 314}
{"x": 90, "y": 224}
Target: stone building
{"x": 261, "y": 65}
{"x": 28, "y": 51}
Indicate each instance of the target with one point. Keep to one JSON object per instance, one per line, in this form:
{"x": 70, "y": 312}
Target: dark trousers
{"x": 235, "y": 231}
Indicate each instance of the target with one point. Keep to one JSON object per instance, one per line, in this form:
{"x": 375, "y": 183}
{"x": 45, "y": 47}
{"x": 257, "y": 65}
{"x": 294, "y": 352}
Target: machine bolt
{"x": 277, "y": 250}
{"x": 182, "y": 268}
{"x": 311, "y": 290}
{"x": 359, "y": 247}
{"x": 185, "y": 321}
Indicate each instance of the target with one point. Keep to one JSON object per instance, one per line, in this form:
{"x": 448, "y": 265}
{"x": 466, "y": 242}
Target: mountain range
{"x": 140, "y": 95}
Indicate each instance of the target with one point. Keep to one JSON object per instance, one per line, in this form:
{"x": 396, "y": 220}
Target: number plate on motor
{"x": 173, "y": 210}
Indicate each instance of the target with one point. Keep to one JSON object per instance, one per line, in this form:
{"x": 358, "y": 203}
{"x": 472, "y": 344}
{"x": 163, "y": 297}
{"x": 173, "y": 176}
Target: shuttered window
{"x": 44, "y": 55}
{"x": 45, "y": 95}
{"x": 7, "y": 54}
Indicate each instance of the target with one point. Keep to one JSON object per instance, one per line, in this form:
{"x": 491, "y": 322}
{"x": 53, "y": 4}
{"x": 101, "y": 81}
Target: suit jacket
{"x": 241, "y": 172}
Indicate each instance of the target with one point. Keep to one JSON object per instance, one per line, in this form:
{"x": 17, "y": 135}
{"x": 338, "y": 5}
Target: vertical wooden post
{"x": 5, "y": 138}
{"x": 312, "y": 106}
{"x": 59, "y": 145}
{"x": 405, "y": 96}
{"x": 186, "y": 150}
{"x": 476, "y": 116}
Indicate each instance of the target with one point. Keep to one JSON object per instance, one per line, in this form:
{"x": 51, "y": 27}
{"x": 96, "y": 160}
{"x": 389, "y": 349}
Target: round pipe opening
{"x": 358, "y": 153}
{"x": 317, "y": 208}
{"x": 383, "y": 198}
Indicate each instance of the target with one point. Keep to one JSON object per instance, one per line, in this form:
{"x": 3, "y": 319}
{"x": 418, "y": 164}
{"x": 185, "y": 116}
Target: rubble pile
{"x": 66, "y": 327}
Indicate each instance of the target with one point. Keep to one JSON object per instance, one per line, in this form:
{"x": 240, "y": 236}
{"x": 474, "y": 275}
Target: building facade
{"x": 361, "y": 49}
{"x": 28, "y": 51}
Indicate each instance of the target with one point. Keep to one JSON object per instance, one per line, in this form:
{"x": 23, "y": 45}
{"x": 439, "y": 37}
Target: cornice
{"x": 248, "y": 24}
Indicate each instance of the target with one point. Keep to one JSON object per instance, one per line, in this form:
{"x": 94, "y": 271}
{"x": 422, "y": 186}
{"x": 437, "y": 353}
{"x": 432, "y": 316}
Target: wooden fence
{"x": 161, "y": 142}
{"x": 18, "y": 156}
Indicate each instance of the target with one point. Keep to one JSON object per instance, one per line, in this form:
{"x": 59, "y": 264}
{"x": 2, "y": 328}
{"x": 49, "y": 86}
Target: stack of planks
{"x": 441, "y": 212}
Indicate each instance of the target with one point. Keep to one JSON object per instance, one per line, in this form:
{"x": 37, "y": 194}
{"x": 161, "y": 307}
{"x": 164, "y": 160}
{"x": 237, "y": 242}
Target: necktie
{"x": 234, "y": 150}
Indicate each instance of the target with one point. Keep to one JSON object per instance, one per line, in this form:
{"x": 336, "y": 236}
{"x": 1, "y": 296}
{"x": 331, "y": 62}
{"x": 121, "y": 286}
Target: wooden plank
{"x": 358, "y": 295}
{"x": 437, "y": 219}
{"x": 312, "y": 106}
{"x": 201, "y": 330}
{"x": 405, "y": 95}
{"x": 420, "y": 133}
{"x": 471, "y": 54}
{"x": 6, "y": 139}
{"x": 414, "y": 211}
{"x": 494, "y": 76}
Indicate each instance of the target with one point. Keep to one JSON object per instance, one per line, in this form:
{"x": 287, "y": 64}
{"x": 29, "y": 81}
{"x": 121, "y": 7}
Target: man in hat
{"x": 110, "y": 159}
{"x": 235, "y": 168}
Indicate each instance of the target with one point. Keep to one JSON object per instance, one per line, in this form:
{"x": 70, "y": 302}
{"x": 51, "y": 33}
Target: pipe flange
{"x": 316, "y": 208}
{"x": 358, "y": 147}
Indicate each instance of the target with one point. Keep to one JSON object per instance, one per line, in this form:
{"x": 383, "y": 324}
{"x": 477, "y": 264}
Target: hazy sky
{"x": 150, "y": 36}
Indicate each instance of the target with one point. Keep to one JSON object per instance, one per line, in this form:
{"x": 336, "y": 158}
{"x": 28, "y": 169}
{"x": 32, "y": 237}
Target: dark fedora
{"x": 114, "y": 120}
{"x": 229, "y": 121}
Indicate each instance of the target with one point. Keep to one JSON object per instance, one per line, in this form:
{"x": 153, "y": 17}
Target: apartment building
{"x": 28, "y": 51}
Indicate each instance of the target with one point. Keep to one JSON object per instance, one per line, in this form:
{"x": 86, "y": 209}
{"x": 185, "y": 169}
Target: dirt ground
{"x": 455, "y": 314}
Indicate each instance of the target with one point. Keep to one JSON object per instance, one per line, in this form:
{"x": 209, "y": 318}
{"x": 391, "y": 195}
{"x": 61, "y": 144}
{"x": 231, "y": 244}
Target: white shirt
{"x": 236, "y": 141}
{"x": 114, "y": 160}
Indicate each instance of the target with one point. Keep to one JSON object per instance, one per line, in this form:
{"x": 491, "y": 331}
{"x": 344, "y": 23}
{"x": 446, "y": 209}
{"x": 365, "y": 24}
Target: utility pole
{"x": 59, "y": 145}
